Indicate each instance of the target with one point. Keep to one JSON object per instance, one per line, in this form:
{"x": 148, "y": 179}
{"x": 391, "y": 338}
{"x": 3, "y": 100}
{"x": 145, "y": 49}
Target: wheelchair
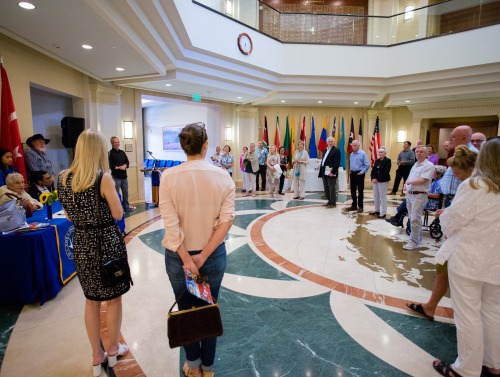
{"x": 434, "y": 228}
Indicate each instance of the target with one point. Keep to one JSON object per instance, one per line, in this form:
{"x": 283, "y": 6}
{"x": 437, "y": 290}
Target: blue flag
{"x": 313, "y": 151}
{"x": 342, "y": 145}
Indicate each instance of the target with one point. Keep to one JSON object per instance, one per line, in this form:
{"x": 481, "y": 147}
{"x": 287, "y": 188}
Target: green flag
{"x": 287, "y": 139}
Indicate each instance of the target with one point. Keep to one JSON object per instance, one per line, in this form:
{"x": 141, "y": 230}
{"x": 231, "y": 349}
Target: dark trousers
{"x": 262, "y": 172}
{"x": 357, "y": 183}
{"x": 402, "y": 172}
{"x": 329, "y": 184}
{"x": 282, "y": 182}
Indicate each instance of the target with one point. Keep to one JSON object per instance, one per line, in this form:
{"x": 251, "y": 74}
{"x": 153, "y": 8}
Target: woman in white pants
{"x": 471, "y": 248}
{"x": 380, "y": 176}
{"x": 242, "y": 169}
{"x": 300, "y": 161}
{"x": 251, "y": 161}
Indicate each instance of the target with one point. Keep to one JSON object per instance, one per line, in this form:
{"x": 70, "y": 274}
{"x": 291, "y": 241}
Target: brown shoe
{"x": 205, "y": 373}
{"x": 187, "y": 371}
{"x": 373, "y": 213}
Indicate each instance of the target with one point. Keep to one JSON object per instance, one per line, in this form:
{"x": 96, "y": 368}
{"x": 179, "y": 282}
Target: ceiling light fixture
{"x": 87, "y": 47}
{"x": 282, "y": 101}
{"x": 320, "y": 101}
{"x": 168, "y": 84}
{"x": 239, "y": 97}
{"x": 356, "y": 102}
{"x": 120, "y": 69}
{"x": 407, "y": 101}
{"x": 26, "y": 5}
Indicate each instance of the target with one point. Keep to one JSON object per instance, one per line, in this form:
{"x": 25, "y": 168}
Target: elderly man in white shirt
{"x": 417, "y": 186}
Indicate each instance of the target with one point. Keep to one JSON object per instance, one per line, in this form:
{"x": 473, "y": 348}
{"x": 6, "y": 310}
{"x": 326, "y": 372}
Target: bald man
{"x": 462, "y": 135}
{"x": 478, "y": 139}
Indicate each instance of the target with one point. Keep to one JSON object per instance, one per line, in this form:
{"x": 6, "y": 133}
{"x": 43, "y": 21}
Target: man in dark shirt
{"x": 42, "y": 182}
{"x": 118, "y": 163}
{"x": 406, "y": 159}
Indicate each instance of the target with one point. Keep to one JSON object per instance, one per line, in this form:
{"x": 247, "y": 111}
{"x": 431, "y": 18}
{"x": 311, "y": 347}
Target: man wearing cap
{"x": 36, "y": 159}
{"x": 118, "y": 163}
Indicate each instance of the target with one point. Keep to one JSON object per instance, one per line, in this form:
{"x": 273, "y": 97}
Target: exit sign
{"x": 196, "y": 97}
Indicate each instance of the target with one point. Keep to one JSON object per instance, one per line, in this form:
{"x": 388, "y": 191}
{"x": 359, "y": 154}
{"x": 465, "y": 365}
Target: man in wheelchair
{"x": 434, "y": 203}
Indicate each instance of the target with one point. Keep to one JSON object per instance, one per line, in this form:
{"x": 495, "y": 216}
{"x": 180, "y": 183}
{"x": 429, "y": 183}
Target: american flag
{"x": 375, "y": 143}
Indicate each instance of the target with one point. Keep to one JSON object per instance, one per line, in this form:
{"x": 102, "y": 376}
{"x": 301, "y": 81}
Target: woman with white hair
{"x": 381, "y": 177}
{"x": 14, "y": 189}
{"x": 300, "y": 161}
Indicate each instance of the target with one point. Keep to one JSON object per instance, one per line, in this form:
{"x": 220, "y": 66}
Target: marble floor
{"x": 308, "y": 291}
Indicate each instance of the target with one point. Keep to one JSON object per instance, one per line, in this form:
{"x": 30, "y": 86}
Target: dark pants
{"x": 357, "y": 184}
{"x": 262, "y": 172}
{"x": 402, "y": 172}
{"x": 282, "y": 182}
{"x": 329, "y": 184}
{"x": 123, "y": 185}
{"x": 202, "y": 352}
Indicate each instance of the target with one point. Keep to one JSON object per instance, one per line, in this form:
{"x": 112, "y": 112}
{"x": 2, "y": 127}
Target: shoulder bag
{"x": 192, "y": 325}
{"x": 12, "y": 216}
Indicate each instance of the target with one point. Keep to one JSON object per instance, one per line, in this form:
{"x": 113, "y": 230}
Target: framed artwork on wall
{"x": 128, "y": 147}
{"x": 171, "y": 138}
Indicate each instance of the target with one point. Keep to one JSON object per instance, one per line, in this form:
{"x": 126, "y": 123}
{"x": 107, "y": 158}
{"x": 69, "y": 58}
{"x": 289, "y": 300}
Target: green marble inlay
{"x": 153, "y": 240}
{"x": 243, "y": 205}
{"x": 243, "y": 261}
{"x": 243, "y": 221}
{"x": 8, "y": 318}
{"x": 299, "y": 203}
{"x": 288, "y": 337}
{"x": 437, "y": 338}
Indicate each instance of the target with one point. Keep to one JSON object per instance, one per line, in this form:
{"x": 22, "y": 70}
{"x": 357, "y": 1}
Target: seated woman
{"x": 5, "y": 165}
{"x": 14, "y": 188}
{"x": 433, "y": 195}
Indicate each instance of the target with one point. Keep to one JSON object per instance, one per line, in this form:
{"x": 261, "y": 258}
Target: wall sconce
{"x": 128, "y": 129}
{"x": 229, "y": 134}
{"x": 229, "y": 7}
{"x": 401, "y": 136}
{"x": 409, "y": 12}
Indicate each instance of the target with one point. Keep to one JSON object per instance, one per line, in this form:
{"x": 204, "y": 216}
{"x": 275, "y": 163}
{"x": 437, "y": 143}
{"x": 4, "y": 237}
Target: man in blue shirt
{"x": 358, "y": 166}
{"x": 262, "y": 156}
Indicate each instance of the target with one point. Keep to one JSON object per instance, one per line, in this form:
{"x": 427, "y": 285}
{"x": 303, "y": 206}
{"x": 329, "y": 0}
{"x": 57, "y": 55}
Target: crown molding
{"x": 456, "y": 109}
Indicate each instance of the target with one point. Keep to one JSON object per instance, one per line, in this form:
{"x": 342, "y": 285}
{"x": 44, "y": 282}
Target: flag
{"x": 334, "y": 128}
{"x": 375, "y": 143}
{"x": 303, "y": 130}
{"x": 322, "y": 138}
{"x": 265, "y": 140}
{"x": 360, "y": 133}
{"x": 9, "y": 129}
{"x": 352, "y": 136}
{"x": 286, "y": 144}
{"x": 277, "y": 140}
{"x": 342, "y": 145}
{"x": 313, "y": 152}
{"x": 292, "y": 136}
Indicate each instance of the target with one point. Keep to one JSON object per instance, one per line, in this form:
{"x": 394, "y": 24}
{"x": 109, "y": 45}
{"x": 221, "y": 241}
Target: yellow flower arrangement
{"x": 49, "y": 197}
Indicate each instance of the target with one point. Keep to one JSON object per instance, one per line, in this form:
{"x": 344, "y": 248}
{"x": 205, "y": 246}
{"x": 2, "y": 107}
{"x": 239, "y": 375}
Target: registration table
{"x": 35, "y": 265}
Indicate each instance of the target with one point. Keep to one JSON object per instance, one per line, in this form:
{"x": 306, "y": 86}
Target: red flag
{"x": 9, "y": 129}
{"x": 264, "y": 138}
{"x": 375, "y": 143}
{"x": 352, "y": 136}
{"x": 277, "y": 140}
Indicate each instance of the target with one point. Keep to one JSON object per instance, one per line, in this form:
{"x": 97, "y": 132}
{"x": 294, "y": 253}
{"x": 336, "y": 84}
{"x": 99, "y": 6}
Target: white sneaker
{"x": 411, "y": 246}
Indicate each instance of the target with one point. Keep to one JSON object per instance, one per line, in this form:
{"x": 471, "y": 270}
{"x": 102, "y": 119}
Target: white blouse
{"x": 472, "y": 227}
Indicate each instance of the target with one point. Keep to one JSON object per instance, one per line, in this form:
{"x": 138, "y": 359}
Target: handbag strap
{"x": 182, "y": 294}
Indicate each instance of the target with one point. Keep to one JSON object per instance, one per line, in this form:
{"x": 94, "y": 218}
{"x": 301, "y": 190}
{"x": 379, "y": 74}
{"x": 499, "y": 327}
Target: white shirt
{"x": 424, "y": 169}
{"x": 472, "y": 227}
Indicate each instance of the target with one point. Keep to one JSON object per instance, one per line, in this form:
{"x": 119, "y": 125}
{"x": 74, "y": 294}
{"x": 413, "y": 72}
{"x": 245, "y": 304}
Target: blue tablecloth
{"x": 35, "y": 265}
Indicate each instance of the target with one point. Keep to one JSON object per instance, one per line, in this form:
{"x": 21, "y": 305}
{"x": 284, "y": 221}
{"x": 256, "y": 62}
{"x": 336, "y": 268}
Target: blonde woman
{"x": 470, "y": 225}
{"x": 86, "y": 185}
{"x": 300, "y": 161}
{"x": 272, "y": 178}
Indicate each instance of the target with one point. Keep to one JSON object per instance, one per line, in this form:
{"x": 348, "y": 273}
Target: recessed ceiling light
{"x": 87, "y": 47}
{"x": 120, "y": 69}
{"x": 26, "y": 5}
{"x": 239, "y": 97}
{"x": 168, "y": 84}
{"x": 320, "y": 101}
{"x": 356, "y": 102}
{"x": 282, "y": 101}
{"x": 407, "y": 101}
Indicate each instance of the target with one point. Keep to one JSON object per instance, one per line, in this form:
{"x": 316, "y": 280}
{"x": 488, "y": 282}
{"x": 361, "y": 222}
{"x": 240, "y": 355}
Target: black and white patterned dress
{"x": 81, "y": 208}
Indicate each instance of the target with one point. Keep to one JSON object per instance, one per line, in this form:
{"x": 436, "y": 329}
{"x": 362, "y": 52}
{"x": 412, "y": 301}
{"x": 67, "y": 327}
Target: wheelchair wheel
{"x": 408, "y": 227}
{"x": 435, "y": 229}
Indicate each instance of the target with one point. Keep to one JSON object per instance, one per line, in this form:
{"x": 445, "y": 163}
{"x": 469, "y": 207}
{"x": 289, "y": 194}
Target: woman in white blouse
{"x": 471, "y": 226}
{"x": 197, "y": 208}
{"x": 300, "y": 161}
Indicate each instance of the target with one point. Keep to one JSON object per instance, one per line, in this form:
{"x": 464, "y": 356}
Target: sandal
{"x": 122, "y": 351}
{"x": 418, "y": 308}
{"x": 444, "y": 369}
{"x": 187, "y": 371}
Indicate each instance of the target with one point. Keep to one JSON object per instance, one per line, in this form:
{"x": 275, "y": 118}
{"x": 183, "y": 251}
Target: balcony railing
{"x": 351, "y": 25}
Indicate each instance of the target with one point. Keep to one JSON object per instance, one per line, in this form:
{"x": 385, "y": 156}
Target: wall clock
{"x": 245, "y": 44}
